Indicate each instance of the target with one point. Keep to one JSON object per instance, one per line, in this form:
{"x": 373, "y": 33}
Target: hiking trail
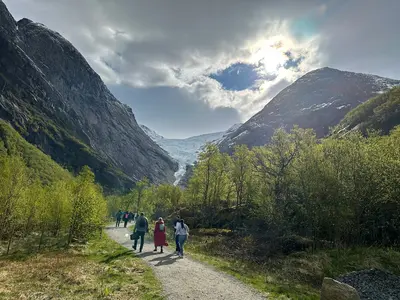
{"x": 186, "y": 278}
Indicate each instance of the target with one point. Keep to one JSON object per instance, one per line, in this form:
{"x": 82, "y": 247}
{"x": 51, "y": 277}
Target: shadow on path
{"x": 165, "y": 260}
{"x": 117, "y": 256}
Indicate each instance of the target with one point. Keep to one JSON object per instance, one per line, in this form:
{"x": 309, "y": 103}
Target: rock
{"x": 335, "y": 290}
{"x": 319, "y": 100}
{"x": 374, "y": 284}
{"x": 51, "y": 95}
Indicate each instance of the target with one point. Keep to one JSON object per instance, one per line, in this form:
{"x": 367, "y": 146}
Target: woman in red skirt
{"x": 160, "y": 237}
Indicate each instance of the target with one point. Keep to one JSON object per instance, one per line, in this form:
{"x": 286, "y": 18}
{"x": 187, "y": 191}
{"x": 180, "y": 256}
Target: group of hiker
{"x": 181, "y": 232}
{"x": 125, "y": 216}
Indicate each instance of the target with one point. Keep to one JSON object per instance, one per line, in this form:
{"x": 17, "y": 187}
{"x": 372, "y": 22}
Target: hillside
{"x": 185, "y": 151}
{"x": 318, "y": 100}
{"x": 54, "y": 99}
{"x": 380, "y": 113}
{"x": 42, "y": 165}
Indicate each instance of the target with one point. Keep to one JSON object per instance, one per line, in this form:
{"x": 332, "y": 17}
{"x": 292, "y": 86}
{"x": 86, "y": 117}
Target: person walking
{"x": 141, "y": 227}
{"x": 131, "y": 216}
{"x": 125, "y": 218}
{"x": 182, "y": 232}
{"x": 118, "y": 217}
{"x": 160, "y": 236}
{"x": 176, "y": 237}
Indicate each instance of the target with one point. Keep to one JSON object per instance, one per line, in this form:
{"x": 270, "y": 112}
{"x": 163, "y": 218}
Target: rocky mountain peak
{"x": 52, "y": 96}
{"x": 319, "y": 100}
{"x": 23, "y": 22}
{"x": 8, "y": 25}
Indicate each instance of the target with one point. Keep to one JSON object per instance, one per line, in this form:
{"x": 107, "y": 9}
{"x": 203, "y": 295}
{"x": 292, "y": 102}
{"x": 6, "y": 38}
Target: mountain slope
{"x": 11, "y": 143}
{"x": 319, "y": 100}
{"x": 51, "y": 95}
{"x": 185, "y": 151}
{"x": 379, "y": 113}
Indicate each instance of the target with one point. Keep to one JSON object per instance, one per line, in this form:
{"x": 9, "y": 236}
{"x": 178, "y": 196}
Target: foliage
{"x": 153, "y": 200}
{"x": 297, "y": 192}
{"x": 380, "y": 113}
{"x": 297, "y": 275}
{"x": 38, "y": 197}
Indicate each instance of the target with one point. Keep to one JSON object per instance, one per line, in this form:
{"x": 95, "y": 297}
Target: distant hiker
{"x": 131, "y": 216}
{"x": 160, "y": 236}
{"x": 176, "y": 237}
{"x": 182, "y": 232}
{"x": 125, "y": 218}
{"x": 118, "y": 217}
{"x": 141, "y": 227}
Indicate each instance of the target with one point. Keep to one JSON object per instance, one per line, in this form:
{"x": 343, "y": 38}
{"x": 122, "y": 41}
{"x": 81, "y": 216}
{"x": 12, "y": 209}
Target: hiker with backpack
{"x": 125, "y": 218}
{"x": 141, "y": 227}
{"x": 118, "y": 217}
{"x": 182, "y": 233}
{"x": 160, "y": 236}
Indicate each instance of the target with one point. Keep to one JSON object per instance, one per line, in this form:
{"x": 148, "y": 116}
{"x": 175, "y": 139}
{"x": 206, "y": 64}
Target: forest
{"x": 301, "y": 191}
{"x": 41, "y": 203}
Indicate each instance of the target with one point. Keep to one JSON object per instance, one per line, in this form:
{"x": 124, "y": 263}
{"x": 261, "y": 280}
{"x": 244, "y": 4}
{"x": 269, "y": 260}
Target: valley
{"x": 304, "y": 192}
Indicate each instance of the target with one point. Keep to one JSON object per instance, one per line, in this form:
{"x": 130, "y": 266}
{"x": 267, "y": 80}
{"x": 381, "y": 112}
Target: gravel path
{"x": 186, "y": 278}
{"x": 374, "y": 284}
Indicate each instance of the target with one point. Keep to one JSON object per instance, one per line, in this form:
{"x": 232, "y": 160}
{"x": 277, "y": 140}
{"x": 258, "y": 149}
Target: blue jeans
{"x": 182, "y": 239}
{"x": 177, "y": 243}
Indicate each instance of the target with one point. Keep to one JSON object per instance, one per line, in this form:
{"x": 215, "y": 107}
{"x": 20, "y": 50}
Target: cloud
{"x": 173, "y": 46}
{"x": 363, "y": 36}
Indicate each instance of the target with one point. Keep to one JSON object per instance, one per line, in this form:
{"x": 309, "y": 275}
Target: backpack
{"x": 126, "y": 216}
{"x": 142, "y": 222}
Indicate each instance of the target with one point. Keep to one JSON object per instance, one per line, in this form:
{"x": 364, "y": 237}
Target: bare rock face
{"x": 51, "y": 95}
{"x": 318, "y": 100}
{"x": 335, "y": 290}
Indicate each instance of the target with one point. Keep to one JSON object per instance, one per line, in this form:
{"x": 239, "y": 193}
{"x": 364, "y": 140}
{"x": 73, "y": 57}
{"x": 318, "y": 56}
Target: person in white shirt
{"x": 181, "y": 232}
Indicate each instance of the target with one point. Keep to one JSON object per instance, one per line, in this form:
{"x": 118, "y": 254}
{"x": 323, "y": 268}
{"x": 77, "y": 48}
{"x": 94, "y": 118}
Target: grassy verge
{"x": 102, "y": 269}
{"x": 295, "y": 276}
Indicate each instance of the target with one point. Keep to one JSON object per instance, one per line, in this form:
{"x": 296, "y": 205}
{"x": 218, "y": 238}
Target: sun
{"x": 268, "y": 55}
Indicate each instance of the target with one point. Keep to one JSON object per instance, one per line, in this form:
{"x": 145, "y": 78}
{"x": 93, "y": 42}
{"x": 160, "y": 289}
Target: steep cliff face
{"x": 51, "y": 95}
{"x": 318, "y": 100}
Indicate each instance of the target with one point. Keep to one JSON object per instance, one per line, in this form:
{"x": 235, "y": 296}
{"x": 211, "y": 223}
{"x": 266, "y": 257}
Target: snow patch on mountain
{"x": 186, "y": 151}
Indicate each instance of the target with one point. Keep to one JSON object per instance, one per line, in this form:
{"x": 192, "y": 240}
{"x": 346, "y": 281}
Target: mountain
{"x": 185, "y": 151}
{"x": 379, "y": 113}
{"x": 54, "y": 99}
{"x": 319, "y": 100}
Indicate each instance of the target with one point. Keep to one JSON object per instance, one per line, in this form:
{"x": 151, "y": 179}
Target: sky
{"x": 188, "y": 67}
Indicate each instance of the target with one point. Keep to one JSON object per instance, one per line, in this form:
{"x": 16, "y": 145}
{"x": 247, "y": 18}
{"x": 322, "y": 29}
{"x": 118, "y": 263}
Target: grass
{"x": 295, "y": 276}
{"x": 102, "y": 269}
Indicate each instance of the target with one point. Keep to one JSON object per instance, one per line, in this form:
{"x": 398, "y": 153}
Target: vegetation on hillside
{"x": 337, "y": 193}
{"x": 381, "y": 113}
{"x": 39, "y": 198}
{"x": 290, "y": 212}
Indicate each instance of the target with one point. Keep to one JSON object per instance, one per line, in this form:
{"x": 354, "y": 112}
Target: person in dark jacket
{"x": 118, "y": 217}
{"x": 141, "y": 227}
{"x": 125, "y": 218}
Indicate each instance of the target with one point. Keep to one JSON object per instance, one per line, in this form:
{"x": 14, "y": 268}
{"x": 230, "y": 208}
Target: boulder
{"x": 335, "y": 290}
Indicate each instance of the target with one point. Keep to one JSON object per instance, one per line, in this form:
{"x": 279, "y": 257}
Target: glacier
{"x": 186, "y": 151}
